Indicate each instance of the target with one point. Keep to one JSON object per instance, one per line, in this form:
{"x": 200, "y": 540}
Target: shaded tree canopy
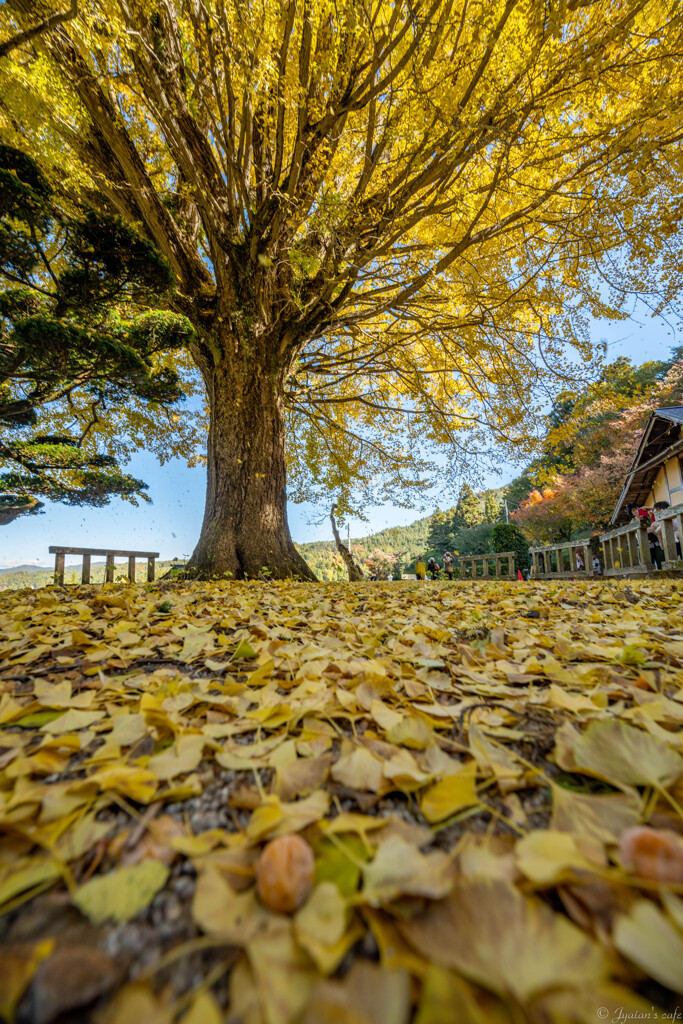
{"x": 73, "y": 334}
{"x": 508, "y": 537}
{"x": 385, "y": 220}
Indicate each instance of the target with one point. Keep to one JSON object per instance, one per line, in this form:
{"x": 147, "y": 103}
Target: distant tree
{"x": 76, "y": 337}
{"x": 586, "y": 498}
{"x": 474, "y": 541}
{"x": 468, "y": 511}
{"x": 492, "y": 508}
{"x": 382, "y": 563}
{"x": 508, "y": 537}
{"x": 440, "y": 535}
{"x": 544, "y": 515}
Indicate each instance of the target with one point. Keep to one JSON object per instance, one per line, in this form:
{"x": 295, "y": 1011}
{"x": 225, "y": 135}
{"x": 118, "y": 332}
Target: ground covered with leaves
{"x": 489, "y": 775}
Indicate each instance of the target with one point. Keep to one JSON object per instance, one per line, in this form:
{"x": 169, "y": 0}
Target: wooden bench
{"x": 109, "y": 554}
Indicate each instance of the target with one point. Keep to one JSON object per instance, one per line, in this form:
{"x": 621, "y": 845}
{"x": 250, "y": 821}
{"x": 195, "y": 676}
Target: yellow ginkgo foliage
{"x": 385, "y": 219}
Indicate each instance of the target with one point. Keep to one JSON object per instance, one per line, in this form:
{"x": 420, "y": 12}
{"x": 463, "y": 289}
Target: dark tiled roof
{"x": 674, "y": 413}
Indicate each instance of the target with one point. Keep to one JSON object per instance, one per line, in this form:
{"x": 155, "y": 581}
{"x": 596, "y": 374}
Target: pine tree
{"x": 491, "y": 508}
{"x": 66, "y": 353}
{"x": 468, "y": 511}
{"x": 507, "y": 537}
{"x": 440, "y": 535}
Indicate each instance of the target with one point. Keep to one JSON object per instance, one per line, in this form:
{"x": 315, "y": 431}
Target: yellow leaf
{"x": 72, "y": 720}
{"x": 604, "y": 816}
{"x": 505, "y": 942}
{"x": 204, "y": 1010}
{"x": 320, "y": 925}
{"x": 16, "y": 971}
{"x": 302, "y": 776}
{"x": 137, "y": 783}
{"x": 358, "y": 769}
{"x": 138, "y": 1003}
{"x": 651, "y": 941}
{"x": 399, "y": 869}
{"x": 626, "y": 756}
{"x": 218, "y": 910}
{"x": 369, "y": 994}
{"x": 25, "y": 875}
{"x": 452, "y": 794}
{"x": 181, "y": 758}
{"x": 121, "y": 894}
{"x": 546, "y": 857}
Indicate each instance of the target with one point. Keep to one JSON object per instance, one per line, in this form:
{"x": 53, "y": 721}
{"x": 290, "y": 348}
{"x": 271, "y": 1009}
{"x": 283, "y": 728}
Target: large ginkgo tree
{"x": 386, "y": 219}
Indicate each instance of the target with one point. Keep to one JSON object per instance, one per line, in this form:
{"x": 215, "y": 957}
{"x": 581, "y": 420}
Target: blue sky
{"x": 172, "y": 523}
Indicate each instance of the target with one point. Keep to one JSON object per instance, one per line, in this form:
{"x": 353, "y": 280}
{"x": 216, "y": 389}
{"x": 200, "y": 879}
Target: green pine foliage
{"x": 468, "y": 511}
{"x": 76, "y": 333}
{"x": 508, "y": 537}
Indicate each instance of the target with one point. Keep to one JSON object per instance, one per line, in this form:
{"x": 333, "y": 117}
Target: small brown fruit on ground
{"x": 284, "y": 874}
{"x": 652, "y": 853}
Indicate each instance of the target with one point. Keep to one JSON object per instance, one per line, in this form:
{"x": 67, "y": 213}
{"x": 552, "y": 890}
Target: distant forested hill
{"x": 20, "y": 578}
{"x": 326, "y": 564}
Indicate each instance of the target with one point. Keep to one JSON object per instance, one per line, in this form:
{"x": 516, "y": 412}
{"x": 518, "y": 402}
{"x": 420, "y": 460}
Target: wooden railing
{"x": 470, "y": 564}
{"x": 109, "y": 567}
{"x": 561, "y": 561}
{"x": 672, "y": 531}
{"x": 626, "y": 550}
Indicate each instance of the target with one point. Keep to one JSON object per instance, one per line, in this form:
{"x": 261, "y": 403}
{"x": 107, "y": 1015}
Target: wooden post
{"x": 511, "y": 566}
{"x": 485, "y": 568}
{"x": 109, "y": 569}
{"x": 150, "y": 570}
{"x": 632, "y": 547}
{"x": 499, "y": 571}
{"x": 606, "y": 554}
{"x": 59, "y": 569}
{"x": 643, "y": 546}
{"x": 131, "y": 568}
{"x": 85, "y": 572}
{"x": 668, "y": 540}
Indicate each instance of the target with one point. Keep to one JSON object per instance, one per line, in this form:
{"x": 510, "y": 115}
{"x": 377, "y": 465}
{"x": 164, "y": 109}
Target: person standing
{"x": 433, "y": 568}
{"x": 421, "y": 568}
{"x": 448, "y": 564}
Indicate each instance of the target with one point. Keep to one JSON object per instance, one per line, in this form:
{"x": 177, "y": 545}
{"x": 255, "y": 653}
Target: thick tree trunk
{"x": 245, "y": 531}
